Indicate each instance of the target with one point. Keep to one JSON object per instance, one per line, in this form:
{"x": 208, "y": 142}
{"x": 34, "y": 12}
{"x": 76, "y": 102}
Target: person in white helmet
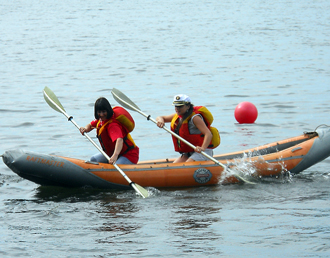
{"x": 193, "y": 124}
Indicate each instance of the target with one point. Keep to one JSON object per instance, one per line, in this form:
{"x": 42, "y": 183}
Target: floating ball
{"x": 246, "y": 113}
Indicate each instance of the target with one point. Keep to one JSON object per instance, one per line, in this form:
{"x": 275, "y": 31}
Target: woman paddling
{"x": 193, "y": 124}
{"x": 113, "y": 128}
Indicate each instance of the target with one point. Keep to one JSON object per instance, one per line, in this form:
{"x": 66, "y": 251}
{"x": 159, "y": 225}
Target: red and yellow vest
{"x": 122, "y": 117}
{"x": 195, "y": 139}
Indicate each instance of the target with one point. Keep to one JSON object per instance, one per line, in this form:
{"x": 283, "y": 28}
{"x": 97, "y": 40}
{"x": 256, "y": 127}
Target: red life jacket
{"x": 125, "y": 120}
{"x": 195, "y": 139}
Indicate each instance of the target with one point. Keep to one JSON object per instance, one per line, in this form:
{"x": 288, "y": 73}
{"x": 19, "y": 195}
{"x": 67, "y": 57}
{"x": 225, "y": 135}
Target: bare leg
{"x": 182, "y": 158}
{"x": 190, "y": 160}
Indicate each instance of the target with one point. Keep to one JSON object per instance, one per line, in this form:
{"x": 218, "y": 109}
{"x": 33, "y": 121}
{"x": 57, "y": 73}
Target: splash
{"x": 253, "y": 167}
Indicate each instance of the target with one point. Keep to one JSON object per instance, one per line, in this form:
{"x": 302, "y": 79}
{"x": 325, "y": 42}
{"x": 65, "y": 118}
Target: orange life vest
{"x": 195, "y": 139}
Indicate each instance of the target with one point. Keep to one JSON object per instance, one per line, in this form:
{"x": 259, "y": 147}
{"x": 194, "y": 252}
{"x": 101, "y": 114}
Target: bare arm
{"x": 200, "y": 124}
{"x": 86, "y": 129}
{"x": 161, "y": 120}
{"x": 118, "y": 148}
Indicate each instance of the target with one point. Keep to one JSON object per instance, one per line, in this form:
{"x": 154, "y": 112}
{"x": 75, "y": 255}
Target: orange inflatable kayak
{"x": 271, "y": 160}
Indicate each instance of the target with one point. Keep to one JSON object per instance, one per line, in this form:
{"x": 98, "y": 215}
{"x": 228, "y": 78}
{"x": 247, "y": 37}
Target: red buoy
{"x": 246, "y": 113}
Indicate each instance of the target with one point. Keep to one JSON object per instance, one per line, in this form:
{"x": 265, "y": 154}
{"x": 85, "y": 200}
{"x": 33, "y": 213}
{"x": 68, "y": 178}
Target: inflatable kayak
{"x": 291, "y": 155}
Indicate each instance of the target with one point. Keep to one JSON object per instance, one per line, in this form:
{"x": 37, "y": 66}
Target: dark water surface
{"x": 273, "y": 54}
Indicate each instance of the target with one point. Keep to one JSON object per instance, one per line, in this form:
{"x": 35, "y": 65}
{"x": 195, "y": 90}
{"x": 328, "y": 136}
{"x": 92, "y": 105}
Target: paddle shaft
{"x": 173, "y": 133}
{"x": 131, "y": 105}
{"x": 139, "y": 189}
{"x": 70, "y": 118}
{"x": 188, "y": 143}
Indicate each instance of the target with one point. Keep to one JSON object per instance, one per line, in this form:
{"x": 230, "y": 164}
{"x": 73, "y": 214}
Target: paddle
{"x": 126, "y": 102}
{"x": 54, "y": 103}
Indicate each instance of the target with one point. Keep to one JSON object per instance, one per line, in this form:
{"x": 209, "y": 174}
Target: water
{"x": 220, "y": 53}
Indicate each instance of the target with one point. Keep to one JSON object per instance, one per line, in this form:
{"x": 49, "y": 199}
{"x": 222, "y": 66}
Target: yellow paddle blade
{"x": 140, "y": 190}
{"x": 123, "y": 100}
{"x": 52, "y": 100}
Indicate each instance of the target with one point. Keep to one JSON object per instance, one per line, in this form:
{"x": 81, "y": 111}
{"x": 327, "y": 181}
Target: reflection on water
{"x": 271, "y": 53}
{"x": 59, "y": 194}
{"x": 194, "y": 220}
{"x": 118, "y": 219}
{"x": 195, "y": 217}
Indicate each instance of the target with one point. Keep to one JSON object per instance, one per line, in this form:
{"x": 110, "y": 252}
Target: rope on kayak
{"x": 314, "y": 133}
{"x": 321, "y": 125}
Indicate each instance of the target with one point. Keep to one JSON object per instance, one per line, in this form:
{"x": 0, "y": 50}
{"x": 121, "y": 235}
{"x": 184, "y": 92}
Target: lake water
{"x": 220, "y": 53}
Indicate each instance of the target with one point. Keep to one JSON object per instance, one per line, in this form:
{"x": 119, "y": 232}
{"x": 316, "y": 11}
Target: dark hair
{"x": 188, "y": 113}
{"x": 102, "y": 104}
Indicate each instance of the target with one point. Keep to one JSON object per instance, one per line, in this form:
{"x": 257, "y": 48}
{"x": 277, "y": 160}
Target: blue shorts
{"x": 98, "y": 157}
